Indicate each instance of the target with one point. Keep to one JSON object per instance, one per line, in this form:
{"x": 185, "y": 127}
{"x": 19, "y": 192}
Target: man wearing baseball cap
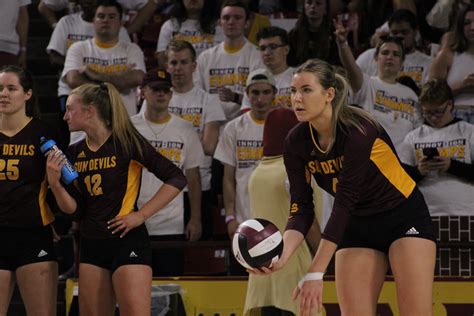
{"x": 177, "y": 140}
{"x": 240, "y": 148}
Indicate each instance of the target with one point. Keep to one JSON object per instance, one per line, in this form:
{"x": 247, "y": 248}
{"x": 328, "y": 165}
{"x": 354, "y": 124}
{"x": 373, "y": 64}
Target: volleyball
{"x": 257, "y": 243}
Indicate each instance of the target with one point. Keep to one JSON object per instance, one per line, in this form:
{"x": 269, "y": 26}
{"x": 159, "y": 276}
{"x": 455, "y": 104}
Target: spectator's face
{"x": 469, "y": 26}
{"x": 404, "y": 31}
{"x": 12, "y": 95}
{"x": 309, "y": 99}
{"x": 438, "y": 115}
{"x": 193, "y": 5}
{"x": 315, "y": 9}
{"x": 107, "y": 22}
{"x": 157, "y": 97}
{"x": 261, "y": 96}
{"x": 76, "y": 113}
{"x": 389, "y": 59}
{"x": 181, "y": 66}
{"x": 273, "y": 52}
{"x": 233, "y": 22}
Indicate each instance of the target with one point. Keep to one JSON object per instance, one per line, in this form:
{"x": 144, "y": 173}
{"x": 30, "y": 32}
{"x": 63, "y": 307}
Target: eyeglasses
{"x": 271, "y": 47}
{"x": 436, "y": 113}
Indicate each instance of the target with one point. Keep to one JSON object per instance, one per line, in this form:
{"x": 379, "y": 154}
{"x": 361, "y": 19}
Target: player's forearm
{"x": 323, "y": 256}
{"x": 165, "y": 194}
{"x": 65, "y": 201}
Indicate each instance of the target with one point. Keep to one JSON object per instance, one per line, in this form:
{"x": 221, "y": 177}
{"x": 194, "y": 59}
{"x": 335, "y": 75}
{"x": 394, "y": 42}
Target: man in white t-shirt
{"x": 202, "y": 109}
{"x": 72, "y": 28}
{"x": 14, "y": 21}
{"x": 223, "y": 69}
{"x": 105, "y": 58}
{"x": 175, "y": 139}
{"x": 416, "y": 65}
{"x": 240, "y": 149}
{"x": 274, "y": 48}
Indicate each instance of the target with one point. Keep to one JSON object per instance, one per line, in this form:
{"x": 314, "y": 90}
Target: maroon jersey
{"x": 362, "y": 172}
{"x": 23, "y": 181}
{"x": 109, "y": 182}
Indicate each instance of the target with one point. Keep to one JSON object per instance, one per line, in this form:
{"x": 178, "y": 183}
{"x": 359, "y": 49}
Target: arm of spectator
{"x": 75, "y": 78}
{"x": 22, "y": 30}
{"x": 56, "y": 59}
{"x": 462, "y": 170}
{"x": 354, "y": 73}
{"x": 194, "y": 227}
{"x": 123, "y": 81}
{"x": 210, "y": 136}
{"x": 441, "y": 63}
{"x": 143, "y": 15}
{"x": 228, "y": 190}
{"x": 48, "y": 14}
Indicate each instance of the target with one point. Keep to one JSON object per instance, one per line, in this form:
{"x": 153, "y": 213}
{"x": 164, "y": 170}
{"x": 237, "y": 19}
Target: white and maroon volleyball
{"x": 257, "y": 243}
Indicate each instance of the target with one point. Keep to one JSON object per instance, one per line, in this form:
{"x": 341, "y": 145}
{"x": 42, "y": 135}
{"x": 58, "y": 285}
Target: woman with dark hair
{"x": 455, "y": 64}
{"x": 27, "y": 254}
{"x": 115, "y": 259}
{"x": 379, "y": 217}
{"x": 193, "y": 21}
{"x": 312, "y": 36}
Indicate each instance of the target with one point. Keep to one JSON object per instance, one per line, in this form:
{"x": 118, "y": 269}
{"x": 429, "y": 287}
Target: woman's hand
{"x": 125, "y": 223}
{"x": 54, "y": 164}
{"x": 275, "y": 266}
{"x": 311, "y": 295}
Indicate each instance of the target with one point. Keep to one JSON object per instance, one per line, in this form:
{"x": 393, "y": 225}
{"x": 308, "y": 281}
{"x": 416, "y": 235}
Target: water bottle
{"x": 68, "y": 173}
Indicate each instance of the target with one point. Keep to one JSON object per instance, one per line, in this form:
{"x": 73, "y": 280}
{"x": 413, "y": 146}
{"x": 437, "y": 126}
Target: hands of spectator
{"x": 226, "y": 94}
{"x": 125, "y": 223}
{"x": 231, "y": 228}
{"x": 468, "y": 82}
{"x": 193, "y": 229}
{"x": 440, "y": 164}
{"x": 22, "y": 59}
{"x": 340, "y": 33}
{"x": 375, "y": 39}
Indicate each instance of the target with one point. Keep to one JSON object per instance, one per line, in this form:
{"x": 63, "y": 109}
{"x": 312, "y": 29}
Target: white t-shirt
{"x": 283, "y": 85}
{"x": 106, "y": 60}
{"x": 9, "y": 12}
{"x": 216, "y": 68}
{"x": 241, "y": 146}
{"x": 70, "y": 29}
{"x": 177, "y": 141}
{"x": 445, "y": 194}
{"x": 462, "y": 66}
{"x": 416, "y": 65}
{"x": 188, "y": 31}
{"x": 393, "y": 105}
{"x": 200, "y": 108}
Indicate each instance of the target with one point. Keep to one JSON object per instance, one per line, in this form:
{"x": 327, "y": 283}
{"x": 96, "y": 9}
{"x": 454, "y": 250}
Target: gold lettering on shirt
{"x": 96, "y": 164}
{"x": 18, "y": 150}
{"x": 330, "y": 166}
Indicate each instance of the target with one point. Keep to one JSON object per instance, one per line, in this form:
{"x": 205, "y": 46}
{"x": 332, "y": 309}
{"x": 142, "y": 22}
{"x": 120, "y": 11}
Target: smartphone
{"x": 430, "y": 152}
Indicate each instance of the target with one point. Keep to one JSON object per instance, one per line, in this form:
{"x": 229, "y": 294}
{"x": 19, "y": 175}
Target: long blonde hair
{"x": 111, "y": 110}
{"x": 343, "y": 115}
